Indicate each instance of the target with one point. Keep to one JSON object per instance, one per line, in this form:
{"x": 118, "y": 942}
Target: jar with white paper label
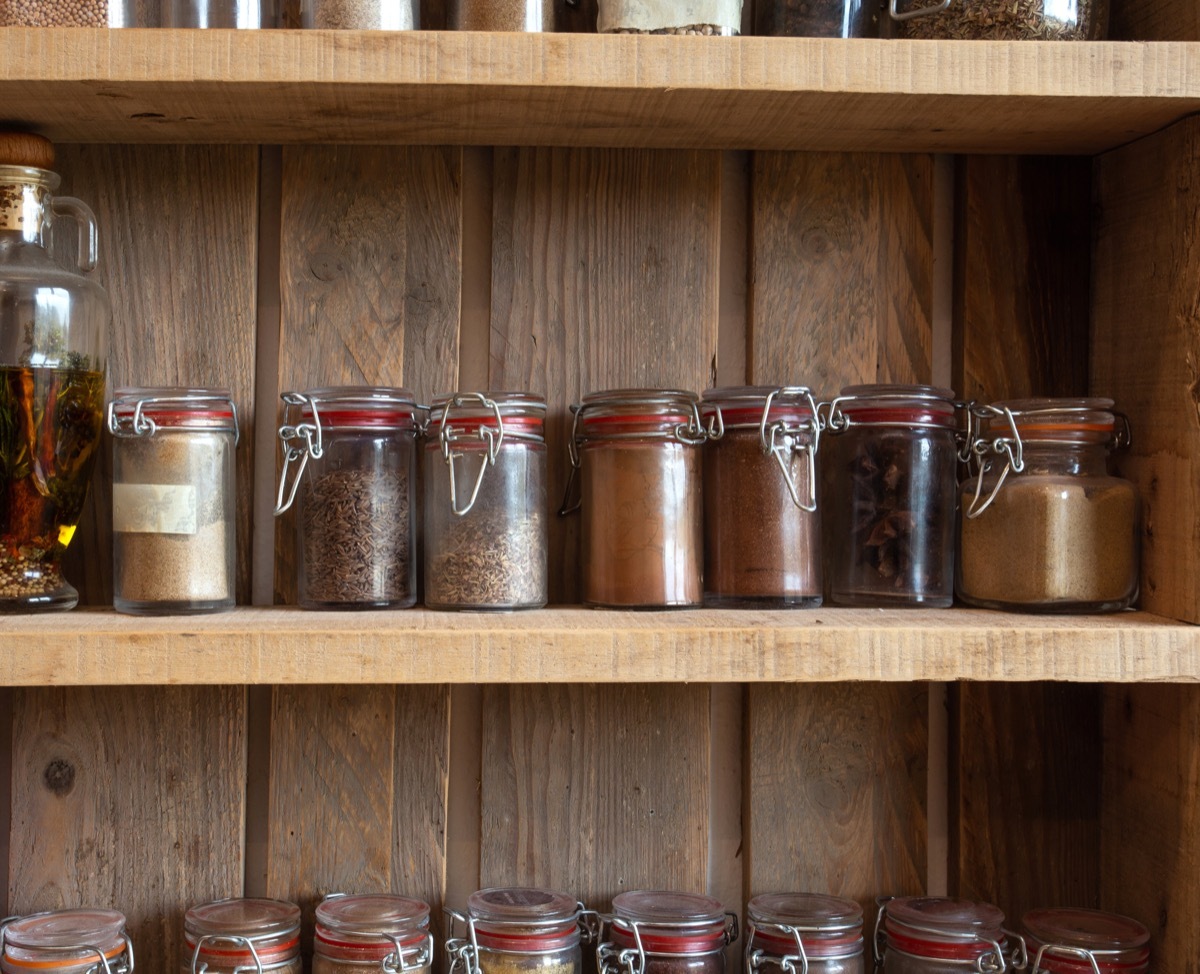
{"x": 173, "y": 500}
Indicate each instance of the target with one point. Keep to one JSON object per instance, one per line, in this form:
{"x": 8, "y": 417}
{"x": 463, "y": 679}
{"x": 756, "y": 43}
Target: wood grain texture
{"x": 178, "y": 234}
{"x": 438, "y": 88}
{"x": 841, "y": 269}
{"x": 605, "y": 272}
{"x": 1151, "y": 817}
{"x": 358, "y": 793}
{"x": 1155, "y": 20}
{"x": 1146, "y": 347}
{"x": 371, "y": 274}
{"x": 1022, "y": 276}
{"x": 836, "y": 790}
{"x": 620, "y": 804}
{"x": 131, "y": 799}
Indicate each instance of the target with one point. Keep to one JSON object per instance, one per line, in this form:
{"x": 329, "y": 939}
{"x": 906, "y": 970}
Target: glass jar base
{"x": 643, "y": 606}
{"x": 1074, "y": 607}
{"x": 450, "y": 607}
{"x": 199, "y": 607}
{"x": 59, "y": 600}
{"x": 358, "y": 606}
{"x": 876, "y": 600}
{"x": 714, "y": 601}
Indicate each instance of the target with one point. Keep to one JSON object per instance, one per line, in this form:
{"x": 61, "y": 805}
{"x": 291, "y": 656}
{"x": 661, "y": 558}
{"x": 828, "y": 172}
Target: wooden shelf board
{"x": 578, "y": 645}
{"x": 86, "y": 85}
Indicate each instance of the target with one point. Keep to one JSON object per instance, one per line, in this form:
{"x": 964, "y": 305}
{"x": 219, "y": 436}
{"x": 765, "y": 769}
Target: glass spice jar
{"x": 485, "y": 502}
{"x": 239, "y": 14}
{"x": 354, "y": 451}
{"x": 637, "y": 452}
{"x": 519, "y": 930}
{"x": 66, "y": 942}
{"x": 360, "y": 14}
{"x": 816, "y": 18}
{"x": 804, "y": 932}
{"x": 1043, "y": 526}
{"x": 708, "y": 17}
{"x": 174, "y": 505}
{"x": 938, "y": 935}
{"x": 1078, "y": 941}
{"x": 239, "y": 935}
{"x": 665, "y": 932}
{"x": 372, "y": 932}
{"x": 529, "y": 16}
{"x": 998, "y": 20}
{"x": 891, "y": 480}
{"x": 762, "y": 536}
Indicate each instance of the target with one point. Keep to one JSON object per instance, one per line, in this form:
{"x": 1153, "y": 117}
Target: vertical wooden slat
{"x": 178, "y": 231}
{"x": 131, "y": 799}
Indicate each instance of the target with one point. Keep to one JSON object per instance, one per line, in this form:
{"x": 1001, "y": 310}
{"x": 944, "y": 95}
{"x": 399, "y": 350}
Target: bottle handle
{"x": 85, "y": 220}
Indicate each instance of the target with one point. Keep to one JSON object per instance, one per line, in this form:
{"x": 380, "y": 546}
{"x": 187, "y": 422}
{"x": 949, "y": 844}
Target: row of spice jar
{"x": 518, "y": 930}
{"x": 956, "y": 19}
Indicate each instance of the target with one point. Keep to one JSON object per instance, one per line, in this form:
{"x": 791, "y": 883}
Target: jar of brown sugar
{"x": 485, "y": 502}
{"x": 938, "y": 935}
{"x": 890, "y": 464}
{"x": 519, "y": 930}
{"x": 377, "y": 932}
{"x": 804, "y": 932}
{"x": 1044, "y": 526}
{"x": 239, "y": 935}
{"x": 665, "y": 932}
{"x": 762, "y": 535}
{"x": 637, "y": 453}
{"x": 1078, "y": 941}
{"x": 66, "y": 942}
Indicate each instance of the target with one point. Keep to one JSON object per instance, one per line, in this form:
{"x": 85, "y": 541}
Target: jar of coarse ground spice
{"x": 350, "y": 459}
{"x": 637, "y": 452}
{"x": 890, "y": 474}
{"x": 665, "y": 932}
{"x": 372, "y": 932}
{"x": 66, "y": 942}
{"x": 519, "y": 930}
{"x": 938, "y": 935}
{"x": 1043, "y": 526}
{"x": 762, "y": 533}
{"x": 1077, "y": 941}
{"x": 804, "y": 933}
{"x": 239, "y": 935}
{"x": 533, "y": 16}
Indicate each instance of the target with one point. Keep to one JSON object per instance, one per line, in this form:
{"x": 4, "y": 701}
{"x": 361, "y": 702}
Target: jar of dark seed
{"x": 533, "y": 16}
{"x": 174, "y": 505}
{"x": 375, "y": 933}
{"x": 890, "y": 481}
{"x": 804, "y": 932}
{"x": 997, "y": 20}
{"x": 707, "y": 17}
{"x": 762, "y": 536}
{"x": 519, "y": 930}
{"x": 66, "y": 942}
{"x": 816, "y": 18}
{"x": 937, "y": 935}
{"x": 665, "y": 932}
{"x": 485, "y": 501}
{"x": 1078, "y": 941}
{"x": 637, "y": 454}
{"x": 350, "y": 464}
{"x": 360, "y": 14}
{"x": 241, "y": 935}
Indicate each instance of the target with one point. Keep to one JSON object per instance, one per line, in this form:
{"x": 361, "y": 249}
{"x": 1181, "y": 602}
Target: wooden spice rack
{"x": 289, "y": 209}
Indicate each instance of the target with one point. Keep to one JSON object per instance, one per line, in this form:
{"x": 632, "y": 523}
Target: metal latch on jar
{"x": 1092, "y": 957}
{"x": 492, "y": 436}
{"x": 140, "y": 424}
{"x": 246, "y": 942}
{"x": 613, "y": 959}
{"x": 936, "y": 8}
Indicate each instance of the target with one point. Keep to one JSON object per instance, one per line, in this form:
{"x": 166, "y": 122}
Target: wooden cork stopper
{"x": 26, "y": 149}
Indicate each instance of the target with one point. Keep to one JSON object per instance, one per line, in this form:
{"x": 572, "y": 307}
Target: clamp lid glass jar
{"x": 67, "y": 942}
{"x": 707, "y": 17}
{"x": 1078, "y": 941}
{"x": 174, "y": 506}
{"x": 813, "y": 933}
{"x": 939, "y": 935}
{"x": 239, "y": 935}
{"x": 762, "y": 536}
{"x": 485, "y": 501}
{"x": 666, "y": 932}
{"x": 377, "y": 931}
{"x": 350, "y": 458}
{"x": 637, "y": 452}
{"x": 1044, "y": 526}
{"x": 998, "y": 20}
{"x": 518, "y": 930}
{"x": 891, "y": 465}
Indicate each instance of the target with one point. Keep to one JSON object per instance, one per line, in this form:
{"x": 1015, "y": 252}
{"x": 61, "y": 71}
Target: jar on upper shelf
{"x": 816, "y": 18}
{"x": 997, "y": 20}
{"x": 54, "y": 323}
{"x": 706, "y": 17}
{"x": 519, "y": 930}
{"x": 84, "y": 941}
{"x": 1070, "y": 940}
{"x": 940, "y": 935}
{"x": 809, "y": 932}
{"x": 240, "y": 14}
{"x": 373, "y": 933}
{"x": 665, "y": 932}
{"x": 235, "y": 936}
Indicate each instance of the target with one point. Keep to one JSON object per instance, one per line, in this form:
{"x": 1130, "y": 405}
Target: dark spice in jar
{"x": 493, "y": 560}
{"x": 816, "y": 18}
{"x": 1009, "y": 20}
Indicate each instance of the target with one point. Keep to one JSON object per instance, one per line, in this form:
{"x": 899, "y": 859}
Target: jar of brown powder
{"x": 350, "y": 459}
{"x": 762, "y": 536}
{"x": 637, "y": 452}
{"x": 84, "y": 941}
{"x": 506, "y": 15}
{"x": 804, "y": 932}
{"x": 519, "y": 930}
{"x": 665, "y": 932}
{"x": 940, "y": 935}
{"x": 1044, "y": 526}
{"x": 376, "y": 933}
{"x": 236, "y": 936}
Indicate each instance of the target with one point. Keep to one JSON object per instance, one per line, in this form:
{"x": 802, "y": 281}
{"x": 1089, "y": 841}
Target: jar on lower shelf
{"x": 816, "y": 18}
{"x": 665, "y": 932}
{"x": 360, "y": 14}
{"x": 174, "y": 505}
{"x": 239, "y": 935}
{"x": 79, "y": 13}
{"x": 938, "y": 935}
{"x": 240, "y": 14}
{"x": 707, "y": 17}
{"x": 998, "y": 20}
{"x": 82, "y": 941}
{"x": 1078, "y": 941}
{"x": 518, "y": 930}
{"x": 528, "y": 16}
{"x": 807, "y": 932}
{"x": 1044, "y": 526}
{"x": 376, "y": 933}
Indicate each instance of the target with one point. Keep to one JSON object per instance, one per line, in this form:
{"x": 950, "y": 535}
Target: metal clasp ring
{"x": 142, "y": 425}
{"x": 311, "y": 436}
{"x": 228, "y": 939}
{"x": 788, "y": 962}
{"x": 880, "y": 932}
{"x": 1076, "y": 953}
{"x": 1009, "y": 447}
{"x": 492, "y": 436}
{"x": 894, "y": 10}
{"x": 781, "y": 451}
{"x": 394, "y": 963}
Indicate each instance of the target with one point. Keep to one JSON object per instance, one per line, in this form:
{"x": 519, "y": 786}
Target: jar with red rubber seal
{"x": 519, "y": 930}
{"x": 369, "y": 933}
{"x": 804, "y": 933}
{"x": 242, "y": 936}
{"x": 82, "y": 941}
{"x": 1079, "y": 941}
{"x": 666, "y": 932}
{"x": 940, "y": 935}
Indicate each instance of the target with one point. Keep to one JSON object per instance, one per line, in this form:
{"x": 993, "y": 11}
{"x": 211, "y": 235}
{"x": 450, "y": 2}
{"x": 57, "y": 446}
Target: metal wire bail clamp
{"x": 228, "y": 939}
{"x": 493, "y": 437}
{"x": 309, "y": 433}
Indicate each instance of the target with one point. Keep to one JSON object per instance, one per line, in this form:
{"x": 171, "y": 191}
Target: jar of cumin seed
{"x": 370, "y": 933}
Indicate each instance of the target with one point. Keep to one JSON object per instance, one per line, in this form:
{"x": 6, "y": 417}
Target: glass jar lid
{"x": 232, "y": 933}
{"x": 1067, "y": 940}
{"x": 465, "y": 414}
{"x": 943, "y": 928}
{"x": 1045, "y": 420}
{"x": 671, "y": 922}
{"x": 752, "y": 407}
{"x": 66, "y": 940}
{"x": 143, "y": 411}
{"x": 826, "y": 926}
{"x": 356, "y": 407}
{"x": 614, "y": 413}
{"x": 524, "y": 919}
{"x": 370, "y": 926}
{"x": 890, "y": 404}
